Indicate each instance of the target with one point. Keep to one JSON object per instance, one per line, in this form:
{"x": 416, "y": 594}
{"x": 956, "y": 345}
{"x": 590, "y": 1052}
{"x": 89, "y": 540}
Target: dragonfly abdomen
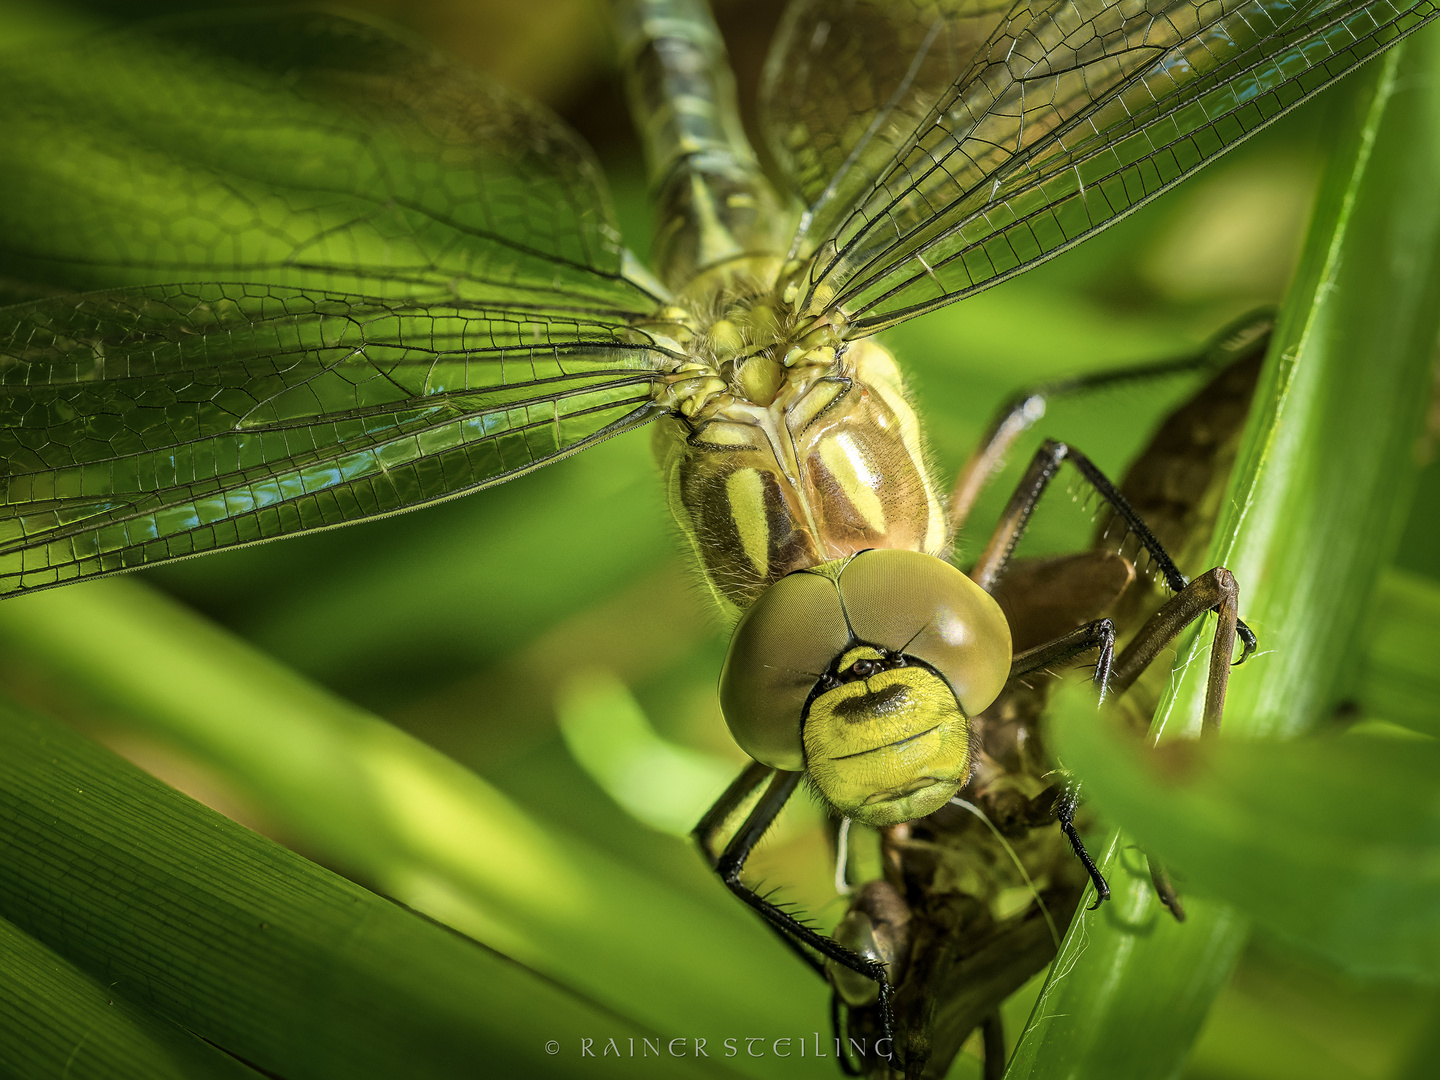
{"x": 714, "y": 206}
{"x": 832, "y": 466}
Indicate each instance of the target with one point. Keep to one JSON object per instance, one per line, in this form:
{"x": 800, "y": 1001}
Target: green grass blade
{"x": 1258, "y": 824}
{"x": 57, "y": 1021}
{"x": 250, "y": 946}
{"x": 1324, "y": 475}
{"x": 397, "y": 814}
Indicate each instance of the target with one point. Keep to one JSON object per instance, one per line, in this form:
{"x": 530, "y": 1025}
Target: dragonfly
{"x": 315, "y": 273}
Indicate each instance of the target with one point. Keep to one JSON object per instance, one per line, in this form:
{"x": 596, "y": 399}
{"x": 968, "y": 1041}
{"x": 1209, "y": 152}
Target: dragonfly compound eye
{"x": 864, "y": 672}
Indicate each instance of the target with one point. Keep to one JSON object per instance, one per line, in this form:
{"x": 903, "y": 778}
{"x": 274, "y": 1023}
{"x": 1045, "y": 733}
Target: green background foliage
{"x": 462, "y": 742}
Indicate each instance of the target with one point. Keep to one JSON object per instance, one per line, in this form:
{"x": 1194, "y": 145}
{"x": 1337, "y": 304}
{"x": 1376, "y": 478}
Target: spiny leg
{"x": 1022, "y": 411}
{"x": 1098, "y": 634}
{"x": 1164, "y": 889}
{"x": 1016, "y": 517}
{"x": 1013, "y": 522}
{"x": 1065, "y": 807}
{"x": 734, "y": 796}
{"x": 731, "y": 863}
{"x": 1016, "y": 417}
{"x": 1242, "y": 339}
{"x": 1214, "y": 590}
{"x": 840, "y": 1028}
{"x": 741, "y": 788}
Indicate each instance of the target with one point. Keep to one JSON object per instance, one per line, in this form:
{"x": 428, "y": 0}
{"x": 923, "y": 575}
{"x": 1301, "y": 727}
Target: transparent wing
{"x": 147, "y": 424}
{"x": 1072, "y": 114}
{"x": 848, "y": 81}
{"x": 302, "y": 149}
{"x": 424, "y": 292}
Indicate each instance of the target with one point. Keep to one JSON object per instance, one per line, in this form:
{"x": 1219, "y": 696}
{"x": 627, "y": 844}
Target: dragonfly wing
{"x": 300, "y": 149}
{"x": 145, "y": 424}
{"x": 1076, "y": 113}
{"x": 848, "y": 81}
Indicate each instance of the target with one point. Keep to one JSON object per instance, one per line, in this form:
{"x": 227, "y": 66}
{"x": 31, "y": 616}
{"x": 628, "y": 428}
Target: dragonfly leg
{"x": 1099, "y": 634}
{"x": 992, "y": 1035}
{"x": 1022, "y": 411}
{"x": 1065, "y": 807}
{"x": 1043, "y": 467}
{"x": 839, "y": 1028}
{"x": 1215, "y": 590}
{"x": 1164, "y": 889}
{"x": 740, "y": 789}
{"x": 800, "y": 937}
{"x": 1015, "y": 417}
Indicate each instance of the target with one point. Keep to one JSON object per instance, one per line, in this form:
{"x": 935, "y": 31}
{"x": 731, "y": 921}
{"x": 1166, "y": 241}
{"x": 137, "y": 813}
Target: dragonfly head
{"x": 864, "y": 672}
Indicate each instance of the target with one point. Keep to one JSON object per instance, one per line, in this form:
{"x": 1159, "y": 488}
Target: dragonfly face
{"x": 865, "y": 672}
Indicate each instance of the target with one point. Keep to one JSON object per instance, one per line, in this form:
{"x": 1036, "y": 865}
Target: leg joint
{"x": 729, "y": 867}
{"x": 1224, "y": 583}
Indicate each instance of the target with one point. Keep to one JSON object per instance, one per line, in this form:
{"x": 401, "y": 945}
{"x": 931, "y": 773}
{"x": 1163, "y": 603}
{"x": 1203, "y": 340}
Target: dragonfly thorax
{"x": 742, "y": 339}
{"x": 831, "y": 464}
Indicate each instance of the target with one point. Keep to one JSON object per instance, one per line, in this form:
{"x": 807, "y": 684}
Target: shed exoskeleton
{"x": 974, "y": 897}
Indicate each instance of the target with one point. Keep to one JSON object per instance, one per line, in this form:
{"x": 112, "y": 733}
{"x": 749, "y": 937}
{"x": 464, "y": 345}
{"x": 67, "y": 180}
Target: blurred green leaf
{"x": 41, "y": 23}
{"x": 668, "y": 787}
{"x": 420, "y": 827}
{"x": 1425, "y": 1059}
{"x": 1324, "y": 477}
{"x": 250, "y": 946}
{"x": 1289, "y": 1015}
{"x": 1400, "y": 673}
{"x": 1330, "y": 842}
